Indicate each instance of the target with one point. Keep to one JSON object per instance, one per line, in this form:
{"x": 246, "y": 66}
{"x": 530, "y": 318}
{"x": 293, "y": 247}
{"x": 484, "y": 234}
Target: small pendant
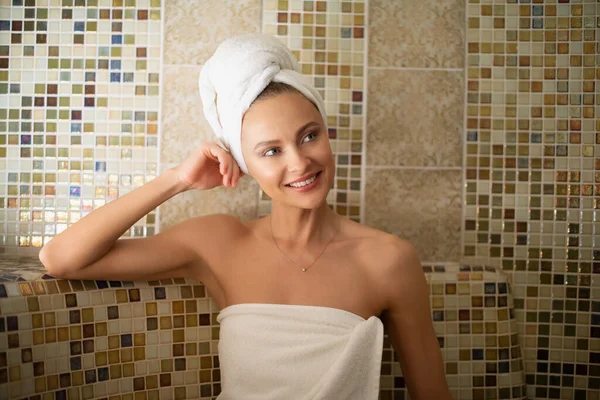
{"x": 303, "y": 269}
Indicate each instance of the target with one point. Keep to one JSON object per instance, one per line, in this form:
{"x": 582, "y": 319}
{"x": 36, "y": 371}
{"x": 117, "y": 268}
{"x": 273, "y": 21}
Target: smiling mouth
{"x": 310, "y": 181}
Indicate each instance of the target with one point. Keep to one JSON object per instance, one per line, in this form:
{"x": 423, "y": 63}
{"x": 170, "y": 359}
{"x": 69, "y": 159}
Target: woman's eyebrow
{"x": 275, "y": 141}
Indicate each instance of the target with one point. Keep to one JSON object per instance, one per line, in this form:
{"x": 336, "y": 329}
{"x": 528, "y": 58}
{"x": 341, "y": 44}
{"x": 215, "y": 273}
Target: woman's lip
{"x": 289, "y": 184}
{"x": 316, "y": 175}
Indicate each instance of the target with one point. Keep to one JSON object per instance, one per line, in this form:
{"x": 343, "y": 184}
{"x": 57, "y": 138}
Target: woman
{"x": 303, "y": 292}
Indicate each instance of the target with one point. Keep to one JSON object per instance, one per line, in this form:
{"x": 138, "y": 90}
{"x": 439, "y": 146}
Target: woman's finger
{"x": 222, "y": 157}
{"x": 236, "y": 176}
{"x": 231, "y": 171}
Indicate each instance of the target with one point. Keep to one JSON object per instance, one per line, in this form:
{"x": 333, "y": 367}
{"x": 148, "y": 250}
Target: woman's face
{"x": 283, "y": 140}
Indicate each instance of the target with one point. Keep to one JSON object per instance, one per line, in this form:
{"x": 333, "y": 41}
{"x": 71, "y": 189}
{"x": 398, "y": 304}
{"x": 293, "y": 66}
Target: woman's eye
{"x": 312, "y": 133}
{"x": 267, "y": 152}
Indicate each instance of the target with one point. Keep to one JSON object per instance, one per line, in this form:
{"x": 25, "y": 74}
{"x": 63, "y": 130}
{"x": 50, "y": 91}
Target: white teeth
{"x": 306, "y": 182}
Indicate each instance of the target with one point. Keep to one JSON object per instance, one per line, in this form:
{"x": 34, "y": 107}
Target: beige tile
{"x": 194, "y": 29}
{"x": 416, "y": 33}
{"x": 241, "y": 202}
{"x": 421, "y": 207}
{"x": 415, "y": 118}
{"x": 183, "y": 122}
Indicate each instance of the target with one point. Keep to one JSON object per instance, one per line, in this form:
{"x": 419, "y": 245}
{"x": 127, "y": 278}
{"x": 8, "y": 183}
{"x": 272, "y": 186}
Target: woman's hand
{"x": 207, "y": 167}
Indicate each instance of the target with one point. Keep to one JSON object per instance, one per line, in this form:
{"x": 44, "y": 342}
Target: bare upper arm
{"x": 408, "y": 322}
{"x": 178, "y": 251}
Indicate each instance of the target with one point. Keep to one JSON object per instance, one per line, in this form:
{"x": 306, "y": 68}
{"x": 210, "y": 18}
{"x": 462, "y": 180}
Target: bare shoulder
{"x": 384, "y": 249}
{"x": 215, "y": 223}
{"x": 392, "y": 263}
{"x": 211, "y": 233}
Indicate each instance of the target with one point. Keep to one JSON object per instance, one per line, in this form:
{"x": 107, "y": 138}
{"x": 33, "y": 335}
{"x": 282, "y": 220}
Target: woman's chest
{"x": 339, "y": 278}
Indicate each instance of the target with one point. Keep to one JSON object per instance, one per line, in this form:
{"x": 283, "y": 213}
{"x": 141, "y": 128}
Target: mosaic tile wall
{"x": 328, "y": 39}
{"x": 79, "y": 112}
{"x": 148, "y": 340}
{"x": 532, "y": 179}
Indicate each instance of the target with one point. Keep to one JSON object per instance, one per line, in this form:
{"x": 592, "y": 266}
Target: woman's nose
{"x": 297, "y": 161}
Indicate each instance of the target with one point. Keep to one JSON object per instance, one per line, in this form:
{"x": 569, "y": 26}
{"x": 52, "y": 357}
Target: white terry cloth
{"x": 238, "y": 71}
{"x": 298, "y": 352}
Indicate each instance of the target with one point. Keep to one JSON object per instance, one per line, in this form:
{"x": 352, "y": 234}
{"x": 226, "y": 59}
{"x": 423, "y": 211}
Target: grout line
{"x": 181, "y": 65}
{"x": 412, "y": 167}
{"x": 363, "y": 166}
{"x": 463, "y": 212}
{"x": 416, "y": 69}
{"x": 157, "y": 223}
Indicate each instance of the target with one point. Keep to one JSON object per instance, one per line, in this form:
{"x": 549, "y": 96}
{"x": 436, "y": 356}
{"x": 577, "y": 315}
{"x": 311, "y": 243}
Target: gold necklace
{"x": 292, "y": 261}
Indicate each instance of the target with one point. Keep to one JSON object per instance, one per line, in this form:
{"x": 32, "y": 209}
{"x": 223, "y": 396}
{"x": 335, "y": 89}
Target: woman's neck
{"x": 296, "y": 227}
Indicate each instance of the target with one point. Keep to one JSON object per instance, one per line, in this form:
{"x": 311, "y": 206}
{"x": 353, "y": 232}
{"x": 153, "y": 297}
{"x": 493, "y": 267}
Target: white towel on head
{"x": 238, "y": 71}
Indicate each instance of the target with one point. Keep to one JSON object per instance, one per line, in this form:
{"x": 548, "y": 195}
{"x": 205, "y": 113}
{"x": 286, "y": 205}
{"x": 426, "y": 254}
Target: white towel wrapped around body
{"x": 238, "y": 71}
{"x": 297, "y": 352}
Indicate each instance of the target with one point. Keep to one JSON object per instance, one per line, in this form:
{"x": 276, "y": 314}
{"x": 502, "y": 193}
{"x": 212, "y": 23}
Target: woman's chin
{"x": 307, "y": 203}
